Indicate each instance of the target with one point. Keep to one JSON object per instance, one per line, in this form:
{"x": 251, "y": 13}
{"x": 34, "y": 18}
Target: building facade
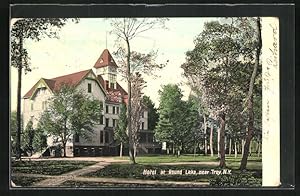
{"x": 100, "y": 82}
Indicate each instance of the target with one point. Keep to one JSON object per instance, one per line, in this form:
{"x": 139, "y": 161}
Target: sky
{"x": 80, "y": 45}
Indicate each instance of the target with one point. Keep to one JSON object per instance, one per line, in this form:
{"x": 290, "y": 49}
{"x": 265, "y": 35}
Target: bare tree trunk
{"x": 250, "y": 148}
{"x": 243, "y": 143}
{"x": 18, "y": 143}
{"x": 225, "y": 144}
{"x": 205, "y": 136}
{"x": 235, "y": 150}
{"x": 259, "y": 148}
{"x": 219, "y": 141}
{"x": 250, "y": 98}
{"x": 121, "y": 149}
{"x": 173, "y": 149}
{"x": 131, "y": 143}
{"x": 134, "y": 150}
{"x": 230, "y": 140}
{"x": 211, "y": 141}
{"x": 222, "y": 143}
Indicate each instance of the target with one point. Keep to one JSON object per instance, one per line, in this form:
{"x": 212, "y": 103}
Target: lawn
{"x": 232, "y": 162}
{"x": 137, "y": 172}
{"x": 49, "y": 167}
{"x": 125, "y": 170}
{"x": 25, "y": 181}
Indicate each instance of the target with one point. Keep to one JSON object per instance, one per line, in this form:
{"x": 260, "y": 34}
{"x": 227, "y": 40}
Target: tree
{"x": 120, "y": 133}
{"x": 170, "y": 127}
{"x": 33, "y": 29}
{"x": 126, "y": 29}
{"x": 137, "y": 108}
{"x": 13, "y": 131}
{"x": 222, "y": 63}
{"x": 70, "y": 112}
{"x": 195, "y": 129}
{"x": 28, "y": 137}
{"x": 249, "y": 99}
{"x": 152, "y": 112}
{"x": 40, "y": 139}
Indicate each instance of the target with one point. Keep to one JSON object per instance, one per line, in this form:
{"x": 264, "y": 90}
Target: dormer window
{"x": 112, "y": 85}
{"x": 101, "y": 60}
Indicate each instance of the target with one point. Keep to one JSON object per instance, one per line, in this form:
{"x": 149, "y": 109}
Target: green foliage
{"x": 136, "y": 172}
{"x": 219, "y": 70}
{"x": 70, "y": 112}
{"x": 25, "y": 180}
{"x": 49, "y": 167}
{"x": 13, "y": 130}
{"x": 39, "y": 140}
{"x": 171, "y": 115}
{"x": 28, "y": 137}
{"x": 152, "y": 112}
{"x": 120, "y": 132}
{"x": 244, "y": 179}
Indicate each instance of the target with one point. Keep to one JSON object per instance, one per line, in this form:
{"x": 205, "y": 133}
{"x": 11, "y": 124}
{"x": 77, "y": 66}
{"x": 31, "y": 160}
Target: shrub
{"x": 239, "y": 179}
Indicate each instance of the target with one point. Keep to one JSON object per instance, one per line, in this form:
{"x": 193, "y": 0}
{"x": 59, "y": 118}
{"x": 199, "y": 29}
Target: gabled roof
{"x": 105, "y": 59}
{"x": 54, "y": 84}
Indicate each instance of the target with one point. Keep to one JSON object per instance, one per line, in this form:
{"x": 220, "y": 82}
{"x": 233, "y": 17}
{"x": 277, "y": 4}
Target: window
{"x": 101, "y": 137}
{"x": 101, "y": 106}
{"x": 89, "y": 87}
{"x": 114, "y": 122}
{"x": 101, "y": 119}
{"x": 106, "y": 84}
{"x": 142, "y": 125}
{"x": 107, "y": 122}
{"x": 44, "y": 105}
{"x": 107, "y": 109}
{"x": 31, "y": 106}
{"x": 118, "y": 110}
{"x": 114, "y": 109}
{"x": 142, "y": 114}
{"x": 76, "y": 138}
{"x": 112, "y": 85}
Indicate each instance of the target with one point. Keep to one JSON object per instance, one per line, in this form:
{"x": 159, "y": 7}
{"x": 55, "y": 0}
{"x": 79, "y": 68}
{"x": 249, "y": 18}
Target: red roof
{"x": 55, "y": 83}
{"x": 113, "y": 95}
{"x": 105, "y": 59}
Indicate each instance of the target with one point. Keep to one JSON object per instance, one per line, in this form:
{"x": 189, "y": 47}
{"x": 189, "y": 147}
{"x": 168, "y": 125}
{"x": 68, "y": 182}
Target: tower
{"x": 106, "y": 67}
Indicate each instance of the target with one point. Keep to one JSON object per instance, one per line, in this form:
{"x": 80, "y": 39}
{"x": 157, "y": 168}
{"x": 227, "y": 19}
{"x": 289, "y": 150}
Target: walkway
{"x": 70, "y": 175}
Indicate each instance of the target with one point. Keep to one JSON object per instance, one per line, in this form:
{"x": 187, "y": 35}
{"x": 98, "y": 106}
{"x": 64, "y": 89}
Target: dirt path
{"x": 70, "y": 175}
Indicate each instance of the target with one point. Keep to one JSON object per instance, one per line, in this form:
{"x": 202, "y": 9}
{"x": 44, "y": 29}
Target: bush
{"x": 239, "y": 179}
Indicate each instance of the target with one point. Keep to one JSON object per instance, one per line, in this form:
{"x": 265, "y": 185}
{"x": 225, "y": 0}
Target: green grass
{"x": 126, "y": 170}
{"x": 49, "y": 167}
{"x": 136, "y": 172}
{"x": 25, "y": 181}
{"x": 153, "y": 159}
{"x": 156, "y": 159}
